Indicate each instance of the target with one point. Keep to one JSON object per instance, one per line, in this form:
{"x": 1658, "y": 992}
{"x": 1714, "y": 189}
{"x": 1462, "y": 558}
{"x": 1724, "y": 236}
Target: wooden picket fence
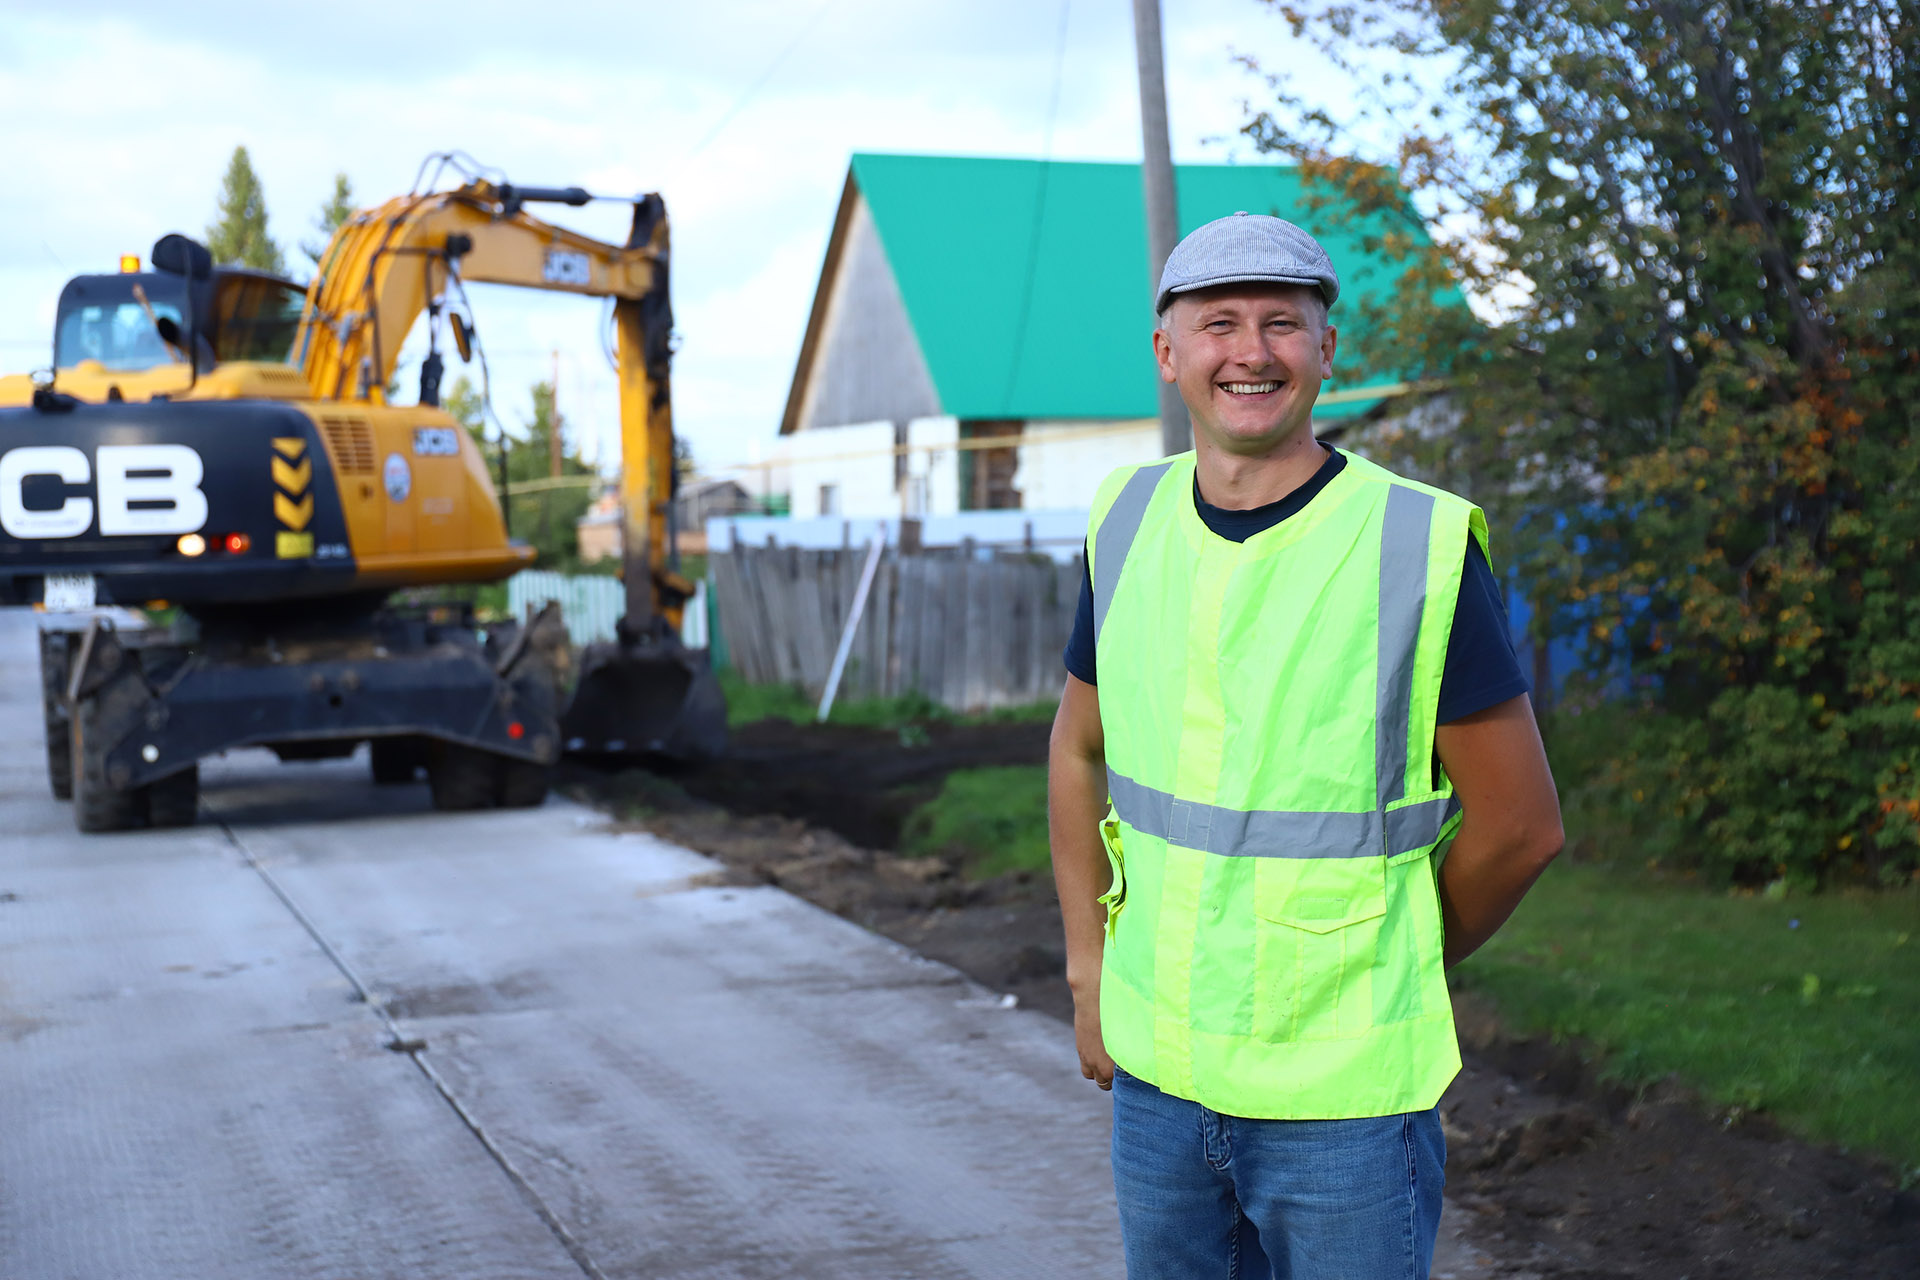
{"x": 967, "y": 631}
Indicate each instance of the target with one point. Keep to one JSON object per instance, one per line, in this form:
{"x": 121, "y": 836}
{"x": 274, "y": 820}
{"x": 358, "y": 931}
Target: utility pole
{"x": 1156, "y": 174}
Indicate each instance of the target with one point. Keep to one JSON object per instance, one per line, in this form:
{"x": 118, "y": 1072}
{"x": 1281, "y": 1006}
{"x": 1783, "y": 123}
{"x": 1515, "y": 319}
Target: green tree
{"x": 463, "y": 404}
{"x": 238, "y": 236}
{"x": 546, "y": 508}
{"x": 329, "y": 218}
{"x": 543, "y": 510}
{"x": 1693, "y": 225}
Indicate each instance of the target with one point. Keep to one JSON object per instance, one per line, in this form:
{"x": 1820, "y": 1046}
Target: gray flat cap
{"x": 1244, "y": 248}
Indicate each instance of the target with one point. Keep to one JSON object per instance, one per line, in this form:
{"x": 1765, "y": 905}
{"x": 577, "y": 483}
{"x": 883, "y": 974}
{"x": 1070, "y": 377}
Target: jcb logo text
{"x": 141, "y": 489}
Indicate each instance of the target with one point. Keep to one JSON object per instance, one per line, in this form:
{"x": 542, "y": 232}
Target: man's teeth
{"x": 1250, "y": 388}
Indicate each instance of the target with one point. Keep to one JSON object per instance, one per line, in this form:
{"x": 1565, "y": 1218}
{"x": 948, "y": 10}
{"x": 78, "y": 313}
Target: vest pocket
{"x": 1318, "y": 934}
{"x": 1116, "y": 895}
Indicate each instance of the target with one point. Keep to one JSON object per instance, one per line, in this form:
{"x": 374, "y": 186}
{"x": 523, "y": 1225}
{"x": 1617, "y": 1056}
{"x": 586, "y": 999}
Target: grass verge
{"x": 1799, "y": 1006}
{"x": 993, "y": 819}
{"x": 747, "y": 703}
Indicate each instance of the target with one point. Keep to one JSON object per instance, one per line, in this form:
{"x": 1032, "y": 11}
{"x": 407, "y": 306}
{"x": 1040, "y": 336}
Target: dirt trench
{"x": 1563, "y": 1176}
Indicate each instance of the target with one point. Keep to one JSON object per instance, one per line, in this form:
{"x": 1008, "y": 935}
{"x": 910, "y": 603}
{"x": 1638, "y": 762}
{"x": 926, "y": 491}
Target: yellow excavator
{"x": 220, "y": 440}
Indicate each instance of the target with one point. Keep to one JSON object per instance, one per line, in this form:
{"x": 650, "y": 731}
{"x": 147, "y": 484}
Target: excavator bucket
{"x": 648, "y": 696}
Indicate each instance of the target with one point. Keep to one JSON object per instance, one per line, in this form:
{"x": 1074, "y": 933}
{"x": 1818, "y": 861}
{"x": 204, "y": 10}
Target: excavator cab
{"x": 134, "y": 321}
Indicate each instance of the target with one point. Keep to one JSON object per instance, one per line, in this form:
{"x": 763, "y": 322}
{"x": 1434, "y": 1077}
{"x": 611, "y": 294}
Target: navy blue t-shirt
{"x": 1481, "y": 669}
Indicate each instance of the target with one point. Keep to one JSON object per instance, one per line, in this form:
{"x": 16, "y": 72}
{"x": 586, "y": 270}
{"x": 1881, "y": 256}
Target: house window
{"x": 986, "y": 475}
{"x": 829, "y": 499}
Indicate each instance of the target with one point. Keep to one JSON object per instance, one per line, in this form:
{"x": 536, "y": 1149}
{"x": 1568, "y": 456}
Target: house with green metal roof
{"x": 965, "y": 300}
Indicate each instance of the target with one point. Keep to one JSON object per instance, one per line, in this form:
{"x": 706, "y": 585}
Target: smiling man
{"x": 1294, "y": 776}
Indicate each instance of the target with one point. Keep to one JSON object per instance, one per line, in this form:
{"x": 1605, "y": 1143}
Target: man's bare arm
{"x": 1510, "y": 820}
{"x": 1076, "y": 803}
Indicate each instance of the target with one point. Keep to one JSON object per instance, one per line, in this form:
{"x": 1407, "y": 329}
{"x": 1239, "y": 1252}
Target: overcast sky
{"x": 120, "y": 118}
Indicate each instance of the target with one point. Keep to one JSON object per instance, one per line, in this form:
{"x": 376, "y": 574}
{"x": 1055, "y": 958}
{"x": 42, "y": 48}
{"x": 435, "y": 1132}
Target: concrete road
{"x": 330, "y": 1033}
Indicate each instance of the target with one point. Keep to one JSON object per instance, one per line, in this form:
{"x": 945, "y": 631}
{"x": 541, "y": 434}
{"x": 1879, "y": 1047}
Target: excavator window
{"x": 101, "y": 319}
{"x": 255, "y": 317}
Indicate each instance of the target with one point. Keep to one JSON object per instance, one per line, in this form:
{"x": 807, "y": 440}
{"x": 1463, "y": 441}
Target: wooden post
{"x": 860, "y": 593}
{"x": 1156, "y": 176}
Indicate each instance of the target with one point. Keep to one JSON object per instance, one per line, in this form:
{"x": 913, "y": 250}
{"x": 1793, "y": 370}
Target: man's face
{"x": 1248, "y": 359}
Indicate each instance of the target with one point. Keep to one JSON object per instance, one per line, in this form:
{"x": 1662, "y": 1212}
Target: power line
{"x": 1039, "y": 208}
{"x": 759, "y": 82}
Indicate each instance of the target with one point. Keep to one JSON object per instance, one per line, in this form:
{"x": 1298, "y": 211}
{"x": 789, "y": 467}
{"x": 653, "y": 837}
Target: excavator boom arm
{"x": 387, "y": 265}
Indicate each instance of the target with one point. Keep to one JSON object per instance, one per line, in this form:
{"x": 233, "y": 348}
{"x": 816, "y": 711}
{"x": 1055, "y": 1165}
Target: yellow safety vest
{"x": 1273, "y": 930}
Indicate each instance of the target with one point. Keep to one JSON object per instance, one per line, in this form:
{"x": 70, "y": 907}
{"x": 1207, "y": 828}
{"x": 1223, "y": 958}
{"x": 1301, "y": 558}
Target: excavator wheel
{"x": 461, "y": 777}
{"x": 523, "y": 783}
{"x": 174, "y": 801}
{"x": 54, "y": 664}
{"x": 97, "y": 805}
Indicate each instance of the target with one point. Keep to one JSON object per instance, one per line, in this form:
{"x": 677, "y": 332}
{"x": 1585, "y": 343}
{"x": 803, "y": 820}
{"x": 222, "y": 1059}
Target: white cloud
{"x": 122, "y": 116}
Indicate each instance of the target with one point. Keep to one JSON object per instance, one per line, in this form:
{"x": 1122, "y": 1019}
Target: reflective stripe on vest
{"x": 1405, "y": 533}
{"x": 1115, "y": 536}
{"x": 1273, "y": 833}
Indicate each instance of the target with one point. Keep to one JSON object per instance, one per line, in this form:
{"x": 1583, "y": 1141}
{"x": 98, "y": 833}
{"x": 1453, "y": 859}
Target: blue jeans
{"x": 1204, "y": 1195}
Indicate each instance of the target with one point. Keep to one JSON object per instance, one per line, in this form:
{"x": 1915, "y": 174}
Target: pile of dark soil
{"x": 1564, "y": 1176}
{"x": 861, "y": 783}
{"x": 1571, "y": 1177}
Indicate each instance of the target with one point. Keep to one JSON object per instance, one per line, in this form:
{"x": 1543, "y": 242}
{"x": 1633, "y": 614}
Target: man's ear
{"x": 1163, "y": 354}
{"x": 1328, "y": 341}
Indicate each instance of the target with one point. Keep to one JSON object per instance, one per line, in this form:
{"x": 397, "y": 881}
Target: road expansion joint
{"x": 415, "y": 1048}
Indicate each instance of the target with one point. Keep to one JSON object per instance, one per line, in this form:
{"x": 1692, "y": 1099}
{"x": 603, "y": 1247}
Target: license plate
{"x": 69, "y": 592}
